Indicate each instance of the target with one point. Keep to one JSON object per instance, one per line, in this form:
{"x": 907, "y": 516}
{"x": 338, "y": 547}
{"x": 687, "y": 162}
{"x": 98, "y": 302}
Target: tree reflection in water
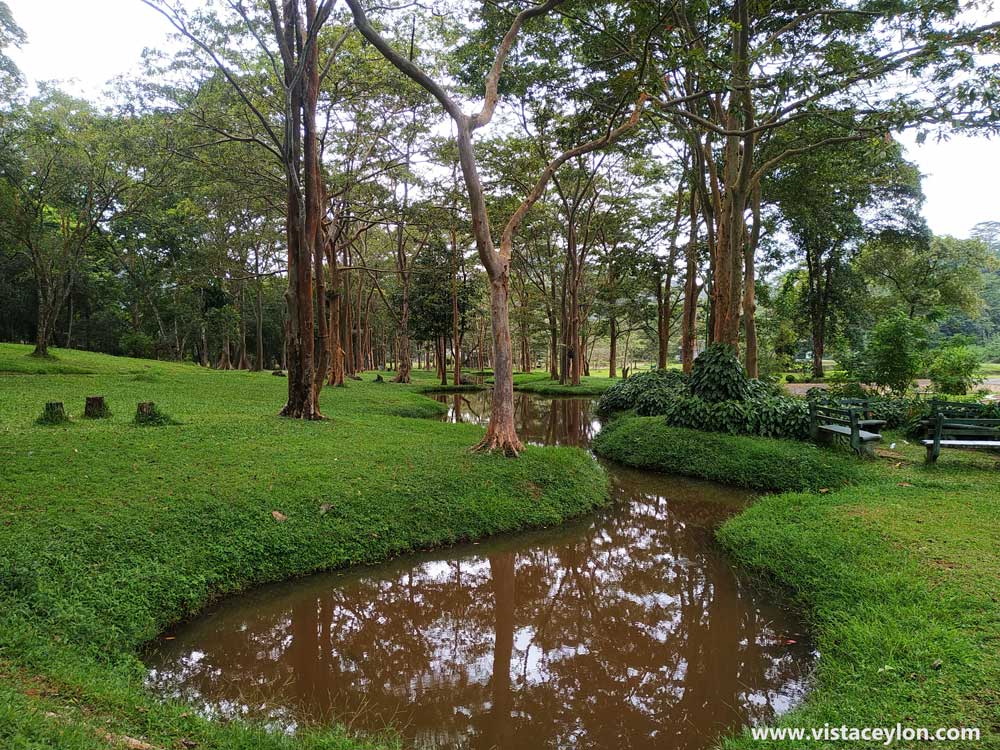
{"x": 626, "y": 629}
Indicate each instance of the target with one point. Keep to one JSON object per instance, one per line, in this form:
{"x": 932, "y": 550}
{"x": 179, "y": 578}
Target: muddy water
{"x": 626, "y": 629}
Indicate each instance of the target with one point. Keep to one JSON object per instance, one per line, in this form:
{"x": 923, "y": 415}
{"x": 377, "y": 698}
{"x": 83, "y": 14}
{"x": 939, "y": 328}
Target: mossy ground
{"x": 895, "y": 564}
{"x": 110, "y": 532}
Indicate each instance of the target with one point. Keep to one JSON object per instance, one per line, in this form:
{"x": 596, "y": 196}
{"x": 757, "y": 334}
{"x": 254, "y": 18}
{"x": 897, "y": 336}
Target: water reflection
{"x": 625, "y": 629}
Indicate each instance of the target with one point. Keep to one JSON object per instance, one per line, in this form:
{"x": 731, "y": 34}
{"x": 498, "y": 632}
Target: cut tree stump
{"x": 96, "y": 408}
{"x": 54, "y": 413}
{"x": 145, "y": 411}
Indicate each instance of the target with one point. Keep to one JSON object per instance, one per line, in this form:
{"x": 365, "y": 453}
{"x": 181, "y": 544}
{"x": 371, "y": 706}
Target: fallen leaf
{"x": 278, "y": 516}
{"x": 325, "y": 508}
{"x": 904, "y": 484}
{"x": 824, "y": 490}
{"x": 189, "y": 743}
{"x": 936, "y": 664}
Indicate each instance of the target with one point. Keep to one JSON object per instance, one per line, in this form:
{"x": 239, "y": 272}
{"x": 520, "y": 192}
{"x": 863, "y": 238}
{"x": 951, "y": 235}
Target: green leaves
{"x": 718, "y": 376}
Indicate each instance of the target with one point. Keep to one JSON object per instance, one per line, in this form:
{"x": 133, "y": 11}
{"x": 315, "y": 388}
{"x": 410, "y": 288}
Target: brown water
{"x": 626, "y": 629}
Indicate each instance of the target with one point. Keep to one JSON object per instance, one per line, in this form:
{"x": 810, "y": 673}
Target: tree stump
{"x": 96, "y": 408}
{"x": 54, "y": 413}
{"x": 145, "y": 411}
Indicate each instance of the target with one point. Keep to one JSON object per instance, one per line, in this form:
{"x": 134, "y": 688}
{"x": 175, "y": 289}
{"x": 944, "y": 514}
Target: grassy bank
{"x": 769, "y": 465}
{"x": 541, "y": 384}
{"x": 898, "y": 573}
{"x": 110, "y": 532}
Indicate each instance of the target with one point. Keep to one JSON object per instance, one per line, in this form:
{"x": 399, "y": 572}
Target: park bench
{"x": 960, "y": 432}
{"x": 844, "y": 423}
{"x": 867, "y": 421}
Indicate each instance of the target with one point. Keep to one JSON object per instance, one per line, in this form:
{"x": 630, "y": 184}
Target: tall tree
{"x": 501, "y": 434}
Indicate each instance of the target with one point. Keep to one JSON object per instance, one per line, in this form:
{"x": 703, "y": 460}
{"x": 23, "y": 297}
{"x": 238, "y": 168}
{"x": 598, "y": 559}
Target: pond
{"x": 624, "y": 629}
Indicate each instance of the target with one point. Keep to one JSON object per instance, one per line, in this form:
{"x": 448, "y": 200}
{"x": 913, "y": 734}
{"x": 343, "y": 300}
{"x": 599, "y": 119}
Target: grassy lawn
{"x": 897, "y": 571}
{"x": 110, "y": 532}
{"x": 542, "y": 384}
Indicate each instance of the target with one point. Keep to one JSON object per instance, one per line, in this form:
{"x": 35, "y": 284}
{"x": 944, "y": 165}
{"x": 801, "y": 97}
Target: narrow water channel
{"x": 625, "y": 629}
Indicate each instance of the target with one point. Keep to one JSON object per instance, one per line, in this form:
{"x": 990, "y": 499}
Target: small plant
{"x": 148, "y": 415}
{"x": 717, "y": 375}
{"x": 54, "y": 413}
{"x": 953, "y": 370}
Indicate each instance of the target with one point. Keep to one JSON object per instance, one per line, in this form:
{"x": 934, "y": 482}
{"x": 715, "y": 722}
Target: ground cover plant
{"x": 109, "y": 532}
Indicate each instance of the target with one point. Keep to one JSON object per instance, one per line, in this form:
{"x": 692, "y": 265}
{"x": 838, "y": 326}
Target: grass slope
{"x": 898, "y": 572}
{"x": 540, "y": 383}
{"x": 109, "y": 532}
{"x": 759, "y": 464}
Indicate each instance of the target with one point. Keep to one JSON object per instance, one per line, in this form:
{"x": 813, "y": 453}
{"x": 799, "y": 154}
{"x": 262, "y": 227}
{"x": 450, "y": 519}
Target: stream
{"x": 624, "y": 629}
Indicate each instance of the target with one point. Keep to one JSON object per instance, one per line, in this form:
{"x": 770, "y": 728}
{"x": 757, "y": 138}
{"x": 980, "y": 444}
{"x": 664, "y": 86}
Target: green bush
{"x": 953, "y": 370}
{"x": 718, "y": 376}
{"x": 755, "y": 463}
{"x": 623, "y": 396}
{"x": 893, "y": 357}
{"x": 767, "y": 416}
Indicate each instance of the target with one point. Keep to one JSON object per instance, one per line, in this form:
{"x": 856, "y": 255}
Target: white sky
{"x": 88, "y": 42}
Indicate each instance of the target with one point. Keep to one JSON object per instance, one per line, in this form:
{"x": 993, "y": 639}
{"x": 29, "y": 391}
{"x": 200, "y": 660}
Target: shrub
{"x": 953, "y": 370}
{"x": 624, "y": 395}
{"x": 756, "y": 463}
{"x": 893, "y": 357}
{"x": 767, "y": 416}
{"x": 718, "y": 376}
{"x": 763, "y": 388}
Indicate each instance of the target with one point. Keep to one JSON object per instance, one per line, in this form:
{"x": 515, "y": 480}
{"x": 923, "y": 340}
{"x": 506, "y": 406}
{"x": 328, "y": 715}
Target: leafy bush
{"x": 953, "y": 370}
{"x": 893, "y": 357}
{"x": 756, "y": 463}
{"x": 763, "y": 388}
{"x": 718, "y": 376}
{"x": 768, "y": 416}
{"x": 624, "y": 395}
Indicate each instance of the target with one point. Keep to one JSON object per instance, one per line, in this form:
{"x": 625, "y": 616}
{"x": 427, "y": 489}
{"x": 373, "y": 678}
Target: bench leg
{"x": 932, "y": 455}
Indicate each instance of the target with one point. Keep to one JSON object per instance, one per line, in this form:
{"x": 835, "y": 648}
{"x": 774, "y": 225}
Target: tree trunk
{"x": 689, "y": 314}
{"x": 501, "y": 435}
{"x": 225, "y": 360}
{"x": 613, "y": 348}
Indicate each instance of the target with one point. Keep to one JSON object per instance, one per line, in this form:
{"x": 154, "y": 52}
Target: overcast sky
{"x": 87, "y": 42}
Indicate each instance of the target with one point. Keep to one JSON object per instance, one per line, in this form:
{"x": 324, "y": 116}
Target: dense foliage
{"x": 717, "y": 375}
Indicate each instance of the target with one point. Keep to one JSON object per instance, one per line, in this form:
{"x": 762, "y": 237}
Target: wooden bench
{"x": 867, "y": 422}
{"x": 833, "y": 422}
{"x": 960, "y": 432}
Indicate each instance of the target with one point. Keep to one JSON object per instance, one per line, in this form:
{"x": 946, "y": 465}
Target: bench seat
{"x": 843, "y": 429}
{"x": 965, "y": 443}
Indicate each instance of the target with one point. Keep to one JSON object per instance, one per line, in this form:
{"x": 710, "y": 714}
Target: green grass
{"x": 110, "y": 532}
{"x": 989, "y": 369}
{"x": 760, "y": 464}
{"x": 540, "y": 383}
{"x": 897, "y": 572}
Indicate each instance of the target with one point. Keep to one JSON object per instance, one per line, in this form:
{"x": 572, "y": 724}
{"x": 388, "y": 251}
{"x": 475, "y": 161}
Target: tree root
{"x": 498, "y": 442}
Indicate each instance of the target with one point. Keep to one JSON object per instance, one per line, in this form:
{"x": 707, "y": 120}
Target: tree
{"x": 63, "y": 182}
{"x": 292, "y": 65}
{"x": 828, "y": 200}
{"x": 11, "y": 35}
{"x": 925, "y": 278}
{"x": 501, "y": 434}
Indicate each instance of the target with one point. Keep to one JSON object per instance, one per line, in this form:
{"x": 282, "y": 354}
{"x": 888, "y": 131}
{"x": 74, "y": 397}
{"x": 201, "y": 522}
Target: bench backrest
{"x": 957, "y": 408}
{"x": 967, "y": 428}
